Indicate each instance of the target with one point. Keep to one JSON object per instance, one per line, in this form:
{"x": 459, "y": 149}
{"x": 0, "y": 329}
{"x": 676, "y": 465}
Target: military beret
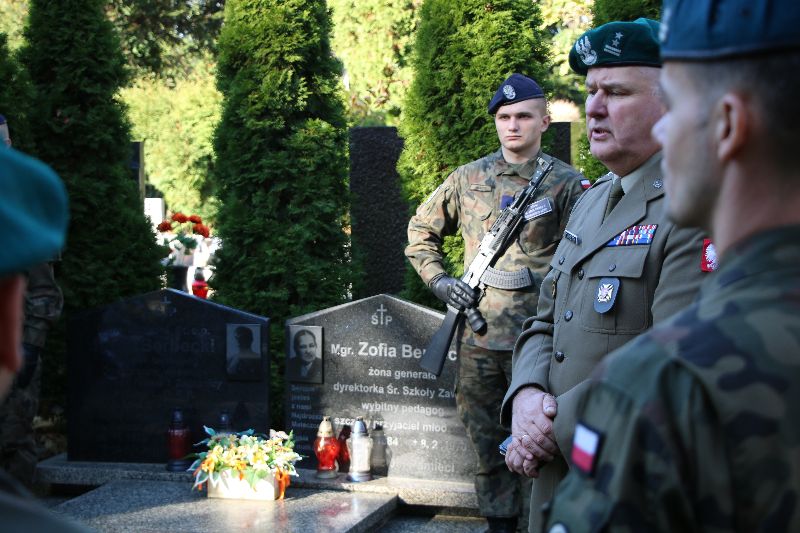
{"x": 515, "y": 89}
{"x": 617, "y": 44}
{"x": 709, "y": 29}
{"x": 2, "y": 120}
{"x": 33, "y": 212}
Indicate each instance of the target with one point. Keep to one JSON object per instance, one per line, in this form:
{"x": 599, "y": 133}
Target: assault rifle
{"x": 492, "y": 247}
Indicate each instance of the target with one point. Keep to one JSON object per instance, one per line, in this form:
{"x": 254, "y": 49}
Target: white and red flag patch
{"x": 585, "y": 447}
{"x": 586, "y": 184}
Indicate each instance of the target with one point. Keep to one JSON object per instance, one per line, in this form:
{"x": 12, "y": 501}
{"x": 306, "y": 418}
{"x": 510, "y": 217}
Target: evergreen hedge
{"x": 464, "y": 49}
{"x": 281, "y": 167}
{"x": 605, "y": 11}
{"x": 16, "y": 95}
{"x": 80, "y": 129}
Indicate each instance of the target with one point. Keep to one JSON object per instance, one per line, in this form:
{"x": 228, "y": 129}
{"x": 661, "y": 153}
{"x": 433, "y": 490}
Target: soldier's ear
{"x": 12, "y": 293}
{"x": 733, "y": 126}
{"x": 545, "y": 123}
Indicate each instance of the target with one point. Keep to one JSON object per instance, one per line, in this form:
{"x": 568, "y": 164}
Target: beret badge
{"x": 584, "y": 49}
{"x": 509, "y": 92}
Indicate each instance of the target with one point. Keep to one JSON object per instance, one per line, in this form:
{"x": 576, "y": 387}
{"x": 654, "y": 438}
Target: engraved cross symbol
{"x": 381, "y": 316}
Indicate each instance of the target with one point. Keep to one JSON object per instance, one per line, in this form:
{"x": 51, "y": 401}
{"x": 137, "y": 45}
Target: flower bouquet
{"x": 245, "y": 464}
{"x": 180, "y": 238}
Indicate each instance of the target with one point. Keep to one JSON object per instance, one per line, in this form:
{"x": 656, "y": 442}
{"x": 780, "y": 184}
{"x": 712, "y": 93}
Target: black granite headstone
{"x": 370, "y": 351}
{"x": 379, "y": 211}
{"x": 133, "y": 362}
{"x": 560, "y": 146}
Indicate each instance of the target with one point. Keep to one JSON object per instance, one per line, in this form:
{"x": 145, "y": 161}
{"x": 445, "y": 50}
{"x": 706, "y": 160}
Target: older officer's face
{"x": 685, "y": 134}
{"x": 520, "y": 127}
{"x": 621, "y": 108}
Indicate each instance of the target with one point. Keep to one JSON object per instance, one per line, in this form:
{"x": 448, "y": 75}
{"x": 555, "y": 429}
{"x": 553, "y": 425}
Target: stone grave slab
{"x": 367, "y": 364}
{"x": 159, "y": 506}
{"x": 131, "y": 363}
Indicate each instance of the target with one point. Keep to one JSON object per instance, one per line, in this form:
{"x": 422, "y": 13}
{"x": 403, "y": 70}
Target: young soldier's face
{"x": 520, "y": 126}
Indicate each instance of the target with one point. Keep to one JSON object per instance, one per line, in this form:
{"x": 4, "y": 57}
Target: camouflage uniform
{"x": 656, "y": 276}
{"x": 469, "y": 200}
{"x": 43, "y": 304}
{"x": 691, "y": 414}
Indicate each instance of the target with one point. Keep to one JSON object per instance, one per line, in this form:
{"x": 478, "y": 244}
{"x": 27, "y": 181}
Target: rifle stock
{"x": 436, "y": 352}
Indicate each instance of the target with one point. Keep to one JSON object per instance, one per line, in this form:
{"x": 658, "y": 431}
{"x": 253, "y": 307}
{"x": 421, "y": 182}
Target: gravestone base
{"x": 435, "y": 494}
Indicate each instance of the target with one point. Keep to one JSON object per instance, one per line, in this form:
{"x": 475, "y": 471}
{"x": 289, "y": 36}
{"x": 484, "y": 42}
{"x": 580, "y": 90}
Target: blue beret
{"x": 709, "y": 29}
{"x": 515, "y": 89}
{"x": 2, "y": 120}
{"x": 617, "y": 44}
{"x": 33, "y": 212}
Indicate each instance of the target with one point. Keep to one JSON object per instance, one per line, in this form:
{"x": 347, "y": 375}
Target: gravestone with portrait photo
{"x": 133, "y": 362}
{"x": 367, "y": 364}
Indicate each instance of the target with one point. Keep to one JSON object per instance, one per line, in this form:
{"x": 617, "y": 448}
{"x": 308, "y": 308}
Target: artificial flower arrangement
{"x": 185, "y": 228}
{"x": 247, "y": 456}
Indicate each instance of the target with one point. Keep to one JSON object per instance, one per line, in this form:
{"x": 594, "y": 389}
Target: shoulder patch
{"x": 585, "y": 448}
{"x": 709, "y": 262}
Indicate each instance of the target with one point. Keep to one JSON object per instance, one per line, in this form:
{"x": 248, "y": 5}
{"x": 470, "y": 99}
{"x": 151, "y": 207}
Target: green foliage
{"x": 565, "y": 20}
{"x": 16, "y": 96}
{"x": 464, "y": 49}
{"x": 605, "y": 11}
{"x": 373, "y": 38}
{"x": 12, "y": 19}
{"x": 585, "y": 161}
{"x": 81, "y": 131}
{"x": 163, "y": 37}
{"x": 281, "y": 167}
{"x": 177, "y": 124}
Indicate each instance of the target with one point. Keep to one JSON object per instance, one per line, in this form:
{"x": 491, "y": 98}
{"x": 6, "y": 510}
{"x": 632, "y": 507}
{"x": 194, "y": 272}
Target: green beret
{"x": 617, "y": 44}
{"x": 33, "y": 212}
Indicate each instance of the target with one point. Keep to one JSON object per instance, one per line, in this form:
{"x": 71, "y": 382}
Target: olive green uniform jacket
{"x": 568, "y": 337}
{"x": 699, "y": 419}
{"x": 469, "y": 200}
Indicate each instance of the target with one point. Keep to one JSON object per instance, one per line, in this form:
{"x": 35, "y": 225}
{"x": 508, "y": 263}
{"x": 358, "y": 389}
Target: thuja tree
{"x": 281, "y": 167}
{"x": 605, "y": 11}
{"x": 15, "y": 97}
{"x": 81, "y": 131}
{"x": 463, "y": 50}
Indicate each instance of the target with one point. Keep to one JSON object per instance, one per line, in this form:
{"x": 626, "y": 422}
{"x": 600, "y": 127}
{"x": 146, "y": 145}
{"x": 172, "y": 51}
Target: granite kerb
{"x": 58, "y": 470}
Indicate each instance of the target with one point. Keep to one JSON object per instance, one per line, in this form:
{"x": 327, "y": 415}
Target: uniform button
{"x": 561, "y": 260}
{"x": 559, "y": 356}
{"x": 580, "y": 274}
{"x": 568, "y": 315}
{"x": 612, "y": 268}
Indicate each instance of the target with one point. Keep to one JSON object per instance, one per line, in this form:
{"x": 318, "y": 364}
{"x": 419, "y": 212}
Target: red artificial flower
{"x": 195, "y": 219}
{"x": 180, "y": 218}
{"x": 201, "y": 230}
{"x": 165, "y": 226}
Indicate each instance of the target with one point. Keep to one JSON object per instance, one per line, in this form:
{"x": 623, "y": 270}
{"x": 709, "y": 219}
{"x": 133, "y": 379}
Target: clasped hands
{"x": 533, "y": 443}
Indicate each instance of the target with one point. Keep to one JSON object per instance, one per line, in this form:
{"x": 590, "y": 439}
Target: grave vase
{"x": 176, "y": 277}
{"x": 230, "y": 486}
